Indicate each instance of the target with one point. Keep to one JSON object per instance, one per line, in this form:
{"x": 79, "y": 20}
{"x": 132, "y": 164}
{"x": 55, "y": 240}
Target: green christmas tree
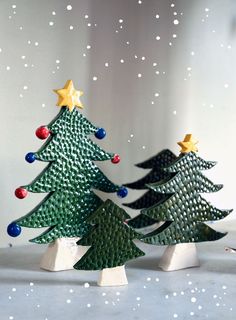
{"x": 185, "y": 210}
{"x": 70, "y": 176}
{"x": 110, "y": 238}
{"x": 150, "y": 197}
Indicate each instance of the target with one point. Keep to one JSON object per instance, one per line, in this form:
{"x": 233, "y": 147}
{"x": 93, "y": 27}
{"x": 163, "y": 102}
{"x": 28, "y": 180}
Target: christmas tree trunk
{"x": 69, "y": 179}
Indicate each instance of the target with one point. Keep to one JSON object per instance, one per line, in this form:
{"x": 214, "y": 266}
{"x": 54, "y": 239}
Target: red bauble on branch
{"x": 21, "y": 193}
{"x": 42, "y": 132}
{"x": 115, "y": 159}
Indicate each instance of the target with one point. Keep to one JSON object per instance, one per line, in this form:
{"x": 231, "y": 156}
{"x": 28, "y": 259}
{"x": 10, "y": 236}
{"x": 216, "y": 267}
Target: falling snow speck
{"x": 174, "y": 35}
{"x": 95, "y": 78}
{"x": 8, "y": 68}
{"x": 71, "y": 27}
{"x": 86, "y": 285}
{"x": 36, "y": 43}
{"x": 11, "y": 317}
{"x": 157, "y": 94}
{"x": 143, "y": 58}
{"x": 176, "y": 21}
{"x": 140, "y": 2}
{"x": 68, "y": 301}
{"x": 53, "y": 13}
{"x": 120, "y": 20}
{"x": 13, "y": 289}
{"x": 172, "y": 5}
{"x": 106, "y": 302}
{"x": 138, "y": 298}
{"x": 158, "y": 37}
{"x": 69, "y": 7}
{"x": 193, "y": 299}
{"x": 106, "y": 64}
{"x": 122, "y": 61}
{"x": 226, "y": 85}
{"x": 157, "y": 16}
{"x": 191, "y": 313}
{"x": 88, "y": 305}
{"x": 51, "y": 23}
{"x": 207, "y": 9}
{"x": 175, "y": 315}
{"x": 88, "y": 47}
{"x": 139, "y": 75}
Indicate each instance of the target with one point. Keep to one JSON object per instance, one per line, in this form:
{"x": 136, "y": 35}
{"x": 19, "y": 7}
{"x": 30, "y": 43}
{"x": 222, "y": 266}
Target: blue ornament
{"x": 122, "y": 192}
{"x": 100, "y": 134}
{"x": 30, "y": 157}
{"x": 14, "y": 230}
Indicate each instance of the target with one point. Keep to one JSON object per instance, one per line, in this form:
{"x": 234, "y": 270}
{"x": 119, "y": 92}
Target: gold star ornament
{"x": 69, "y": 97}
{"x": 188, "y": 144}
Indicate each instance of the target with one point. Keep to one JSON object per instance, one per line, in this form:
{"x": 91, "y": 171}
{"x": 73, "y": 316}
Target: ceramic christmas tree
{"x": 69, "y": 179}
{"x": 111, "y": 245}
{"x": 150, "y": 197}
{"x": 185, "y": 210}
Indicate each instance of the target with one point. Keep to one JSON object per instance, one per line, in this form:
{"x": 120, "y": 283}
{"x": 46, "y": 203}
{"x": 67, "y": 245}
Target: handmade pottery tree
{"x": 111, "y": 245}
{"x": 184, "y": 210}
{"x": 69, "y": 180}
{"x": 150, "y": 197}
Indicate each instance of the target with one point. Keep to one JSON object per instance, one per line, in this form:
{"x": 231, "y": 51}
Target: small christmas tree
{"x": 70, "y": 177}
{"x": 111, "y": 241}
{"x": 185, "y": 210}
{"x": 151, "y": 197}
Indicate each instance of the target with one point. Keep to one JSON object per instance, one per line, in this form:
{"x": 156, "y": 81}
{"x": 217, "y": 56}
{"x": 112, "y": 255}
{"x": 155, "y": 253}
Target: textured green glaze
{"x": 157, "y": 163}
{"x": 111, "y": 239}
{"x": 185, "y": 209}
{"x": 69, "y": 179}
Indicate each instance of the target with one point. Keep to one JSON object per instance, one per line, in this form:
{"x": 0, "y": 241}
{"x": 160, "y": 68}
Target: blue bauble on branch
{"x": 100, "y": 134}
{"x": 122, "y": 192}
{"x": 14, "y": 230}
{"x": 30, "y": 157}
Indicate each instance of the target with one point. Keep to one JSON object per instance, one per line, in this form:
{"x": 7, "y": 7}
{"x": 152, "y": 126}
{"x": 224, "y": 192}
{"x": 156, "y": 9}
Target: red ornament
{"x": 42, "y": 132}
{"x": 115, "y": 159}
{"x": 21, "y": 193}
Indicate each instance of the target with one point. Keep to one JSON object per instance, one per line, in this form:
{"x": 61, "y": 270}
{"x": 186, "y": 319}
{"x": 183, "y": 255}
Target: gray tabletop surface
{"x": 206, "y": 292}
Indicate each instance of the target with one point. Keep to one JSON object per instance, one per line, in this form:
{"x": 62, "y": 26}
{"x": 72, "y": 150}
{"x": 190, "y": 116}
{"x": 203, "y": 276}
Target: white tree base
{"x": 62, "y": 254}
{"x": 179, "y": 256}
{"x": 112, "y": 277}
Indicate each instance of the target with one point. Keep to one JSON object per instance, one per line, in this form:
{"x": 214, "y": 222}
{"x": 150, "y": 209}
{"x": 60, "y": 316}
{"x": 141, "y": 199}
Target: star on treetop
{"x": 188, "y": 144}
{"x": 69, "y": 97}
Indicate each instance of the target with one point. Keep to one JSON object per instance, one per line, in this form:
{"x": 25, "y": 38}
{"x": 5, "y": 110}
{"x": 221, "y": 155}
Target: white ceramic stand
{"x": 112, "y": 277}
{"x": 179, "y": 256}
{"x": 62, "y": 254}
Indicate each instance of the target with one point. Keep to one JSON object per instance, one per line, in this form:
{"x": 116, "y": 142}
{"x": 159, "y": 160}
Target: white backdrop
{"x": 151, "y": 71}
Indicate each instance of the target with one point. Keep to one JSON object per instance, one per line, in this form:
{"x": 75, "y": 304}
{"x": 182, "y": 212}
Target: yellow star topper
{"x": 189, "y": 144}
{"x": 69, "y": 97}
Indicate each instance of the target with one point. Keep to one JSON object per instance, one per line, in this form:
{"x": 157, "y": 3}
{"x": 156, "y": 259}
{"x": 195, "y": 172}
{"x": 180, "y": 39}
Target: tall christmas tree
{"x": 70, "y": 176}
{"x": 185, "y": 210}
{"x": 111, "y": 244}
{"x": 150, "y": 197}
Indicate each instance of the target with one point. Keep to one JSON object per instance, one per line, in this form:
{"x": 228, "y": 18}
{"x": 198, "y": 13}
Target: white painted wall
{"x": 190, "y": 100}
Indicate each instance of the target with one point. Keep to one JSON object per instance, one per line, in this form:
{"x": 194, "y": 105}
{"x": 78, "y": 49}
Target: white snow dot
{"x": 36, "y": 43}
{"x": 25, "y": 88}
{"x": 224, "y": 287}
{"x": 106, "y": 302}
{"x": 13, "y": 6}
{"x": 71, "y": 27}
{"x": 192, "y": 53}
{"x": 21, "y": 28}
{"x": 104, "y": 294}
{"x": 170, "y": 43}
{"x": 143, "y": 58}
{"x": 157, "y": 72}
{"x": 217, "y": 304}
{"x": 127, "y": 42}
{"x": 71, "y": 290}
{"x": 215, "y": 296}
{"x": 176, "y": 21}
{"x": 131, "y": 136}
{"x": 174, "y": 35}
{"x": 157, "y": 279}
{"x": 166, "y": 296}
{"x": 139, "y": 75}
{"x": 14, "y": 289}
{"x": 89, "y": 24}
{"x": 139, "y": 1}
{"x": 118, "y": 293}
{"x": 8, "y": 68}
{"x": 25, "y": 65}
{"x": 138, "y": 298}
{"x": 191, "y": 313}
{"x": 86, "y": 285}
{"x": 174, "y": 112}
{"x": 51, "y": 23}
{"x": 43, "y": 105}
{"x": 152, "y": 102}
{"x": 88, "y": 305}
{"x": 86, "y": 16}
{"x": 84, "y": 54}
{"x": 154, "y": 64}
{"x": 0, "y": 49}
{"x": 120, "y": 20}
{"x": 193, "y": 299}
{"x": 122, "y": 61}
{"x": 69, "y": 7}
{"x": 199, "y": 307}
{"x": 57, "y": 61}
{"x": 175, "y": 315}
{"x": 229, "y": 46}
{"x": 172, "y": 5}
{"x": 175, "y": 13}
{"x": 182, "y": 292}
{"x": 21, "y": 95}
{"x": 158, "y": 37}
{"x": 53, "y": 13}
{"x": 189, "y": 283}
{"x": 68, "y": 301}
{"x": 88, "y": 47}
{"x": 9, "y": 297}
{"x": 95, "y": 78}
{"x": 226, "y": 85}
{"x": 23, "y": 57}
{"x": 106, "y": 64}
{"x": 207, "y": 9}
{"x": 11, "y": 317}
{"x": 136, "y": 57}
{"x": 189, "y": 68}
{"x": 157, "y": 94}
{"x": 157, "y": 16}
